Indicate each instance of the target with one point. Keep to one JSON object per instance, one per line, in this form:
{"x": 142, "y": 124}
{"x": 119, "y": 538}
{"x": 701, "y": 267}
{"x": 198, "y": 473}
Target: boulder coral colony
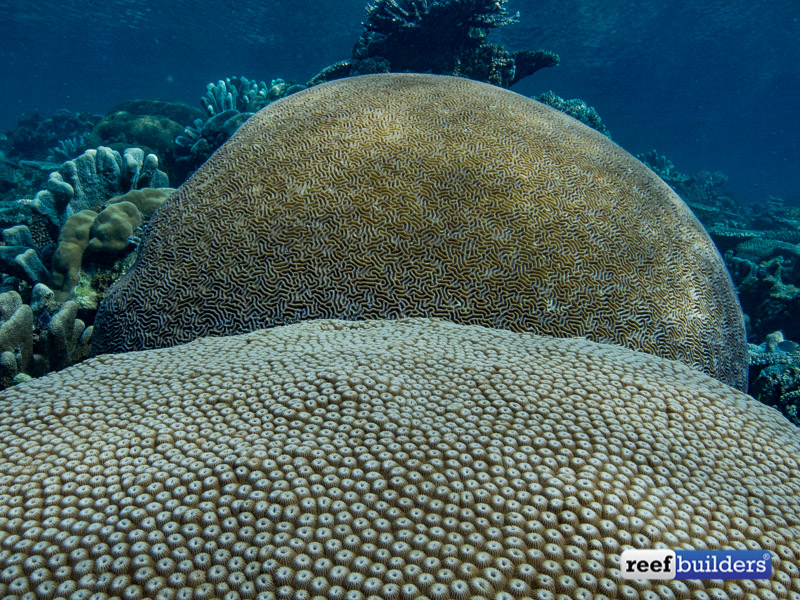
{"x": 408, "y": 458}
{"x": 424, "y": 195}
{"x": 396, "y": 460}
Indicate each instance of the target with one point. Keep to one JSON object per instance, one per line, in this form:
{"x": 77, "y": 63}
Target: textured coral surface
{"x": 386, "y": 459}
{"x": 420, "y": 195}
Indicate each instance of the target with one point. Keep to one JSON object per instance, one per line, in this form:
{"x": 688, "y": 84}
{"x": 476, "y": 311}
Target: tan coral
{"x": 391, "y": 459}
{"x": 417, "y": 195}
{"x": 72, "y": 243}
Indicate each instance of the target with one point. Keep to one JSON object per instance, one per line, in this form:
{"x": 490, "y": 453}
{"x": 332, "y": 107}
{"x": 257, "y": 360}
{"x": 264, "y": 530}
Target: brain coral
{"x": 387, "y": 459}
{"x": 428, "y": 196}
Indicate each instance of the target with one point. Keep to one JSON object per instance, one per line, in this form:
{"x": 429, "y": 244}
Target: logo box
{"x": 696, "y": 564}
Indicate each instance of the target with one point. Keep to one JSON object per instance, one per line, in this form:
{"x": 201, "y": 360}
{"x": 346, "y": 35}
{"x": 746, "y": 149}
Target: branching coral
{"x": 228, "y": 104}
{"x": 575, "y": 108}
{"x": 446, "y": 37}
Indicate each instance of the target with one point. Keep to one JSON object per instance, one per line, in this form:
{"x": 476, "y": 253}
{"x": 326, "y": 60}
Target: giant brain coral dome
{"x": 391, "y": 460}
{"x": 419, "y": 195}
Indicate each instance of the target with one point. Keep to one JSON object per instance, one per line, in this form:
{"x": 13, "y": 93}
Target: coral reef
{"x": 703, "y": 192}
{"x": 97, "y": 175}
{"x": 760, "y": 244}
{"x": 35, "y": 137}
{"x": 110, "y": 230}
{"x": 765, "y": 264}
{"x": 775, "y": 374}
{"x": 402, "y": 195}
{"x": 771, "y": 303}
{"x": 575, "y": 108}
{"x": 90, "y": 183}
{"x": 39, "y": 338}
{"x": 398, "y": 459}
{"x": 22, "y": 179}
{"x": 445, "y": 37}
{"x": 91, "y": 249}
{"x": 227, "y": 103}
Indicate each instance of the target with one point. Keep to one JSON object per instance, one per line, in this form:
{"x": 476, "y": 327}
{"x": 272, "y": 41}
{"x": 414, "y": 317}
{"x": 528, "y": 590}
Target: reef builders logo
{"x": 696, "y": 564}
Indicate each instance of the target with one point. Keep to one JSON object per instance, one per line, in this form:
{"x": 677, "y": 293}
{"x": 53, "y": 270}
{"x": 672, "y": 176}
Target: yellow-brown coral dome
{"x": 392, "y": 196}
{"x": 387, "y": 459}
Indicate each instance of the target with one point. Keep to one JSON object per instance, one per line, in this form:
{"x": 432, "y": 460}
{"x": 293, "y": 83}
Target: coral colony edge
{"x": 396, "y": 332}
{"x": 406, "y": 458}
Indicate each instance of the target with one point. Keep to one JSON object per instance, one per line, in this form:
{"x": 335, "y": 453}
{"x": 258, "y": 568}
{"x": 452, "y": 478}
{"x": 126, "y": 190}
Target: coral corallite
{"x": 397, "y": 460}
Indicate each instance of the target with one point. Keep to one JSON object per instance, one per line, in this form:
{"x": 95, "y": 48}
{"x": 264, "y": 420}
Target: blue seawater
{"x": 712, "y": 84}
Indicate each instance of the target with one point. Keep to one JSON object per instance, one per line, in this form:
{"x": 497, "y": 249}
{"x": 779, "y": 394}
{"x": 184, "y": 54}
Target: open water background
{"x": 712, "y": 84}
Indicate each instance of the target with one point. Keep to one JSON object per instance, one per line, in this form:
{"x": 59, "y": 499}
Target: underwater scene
{"x": 400, "y": 300}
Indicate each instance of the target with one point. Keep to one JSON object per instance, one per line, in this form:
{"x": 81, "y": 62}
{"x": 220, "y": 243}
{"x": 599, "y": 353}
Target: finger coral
{"x": 419, "y": 195}
{"x": 387, "y": 459}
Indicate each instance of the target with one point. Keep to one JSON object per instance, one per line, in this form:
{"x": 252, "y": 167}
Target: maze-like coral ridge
{"x": 387, "y": 460}
{"x": 425, "y": 196}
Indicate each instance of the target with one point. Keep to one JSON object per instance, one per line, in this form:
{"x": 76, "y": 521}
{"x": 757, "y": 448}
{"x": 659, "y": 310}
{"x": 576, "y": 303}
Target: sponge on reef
{"x": 396, "y": 195}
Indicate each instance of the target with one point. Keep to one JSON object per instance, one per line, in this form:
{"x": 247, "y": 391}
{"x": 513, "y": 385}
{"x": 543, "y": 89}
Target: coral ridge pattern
{"x": 389, "y": 196}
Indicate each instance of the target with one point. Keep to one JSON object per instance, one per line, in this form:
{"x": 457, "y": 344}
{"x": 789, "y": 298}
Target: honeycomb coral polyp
{"x": 386, "y": 459}
{"x": 407, "y": 195}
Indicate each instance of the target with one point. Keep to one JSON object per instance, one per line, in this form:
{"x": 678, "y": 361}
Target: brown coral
{"x": 417, "y": 195}
{"x": 72, "y": 243}
{"x": 387, "y": 459}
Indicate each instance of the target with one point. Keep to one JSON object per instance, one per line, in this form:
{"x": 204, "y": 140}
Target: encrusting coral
{"x": 420, "y": 195}
{"x": 394, "y": 459}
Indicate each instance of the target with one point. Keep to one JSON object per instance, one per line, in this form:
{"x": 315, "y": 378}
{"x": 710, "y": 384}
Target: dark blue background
{"x": 713, "y": 84}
